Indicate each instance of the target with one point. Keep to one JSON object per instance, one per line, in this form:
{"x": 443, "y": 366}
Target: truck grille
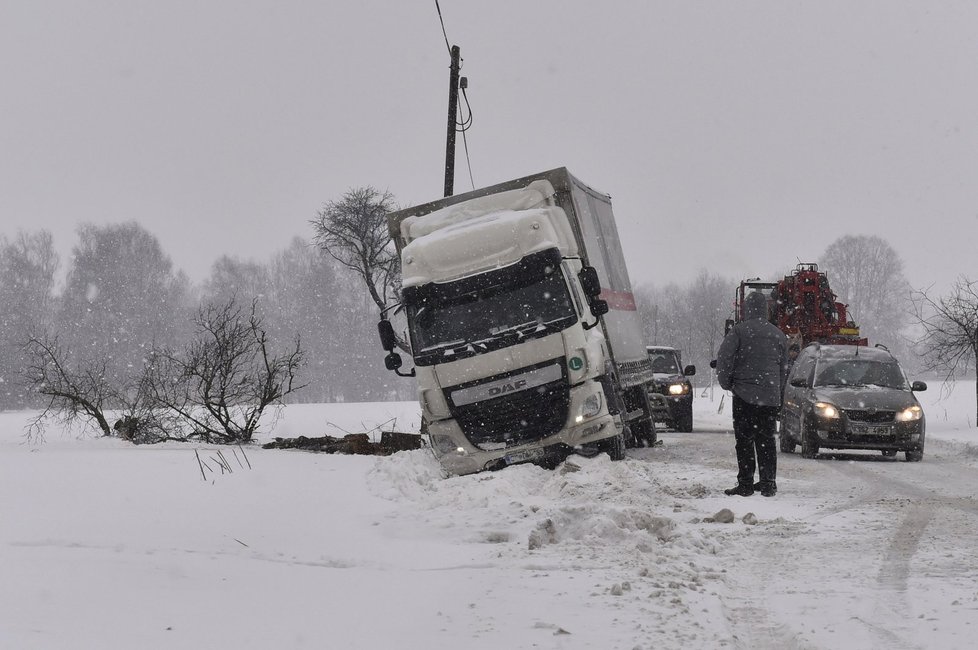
{"x": 873, "y": 417}
{"x": 514, "y": 418}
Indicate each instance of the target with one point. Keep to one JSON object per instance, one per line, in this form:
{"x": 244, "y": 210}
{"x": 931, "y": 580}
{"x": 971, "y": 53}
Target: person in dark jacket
{"x": 752, "y": 362}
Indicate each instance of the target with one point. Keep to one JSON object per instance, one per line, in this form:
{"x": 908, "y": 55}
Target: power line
{"x": 463, "y": 125}
{"x": 442, "y": 21}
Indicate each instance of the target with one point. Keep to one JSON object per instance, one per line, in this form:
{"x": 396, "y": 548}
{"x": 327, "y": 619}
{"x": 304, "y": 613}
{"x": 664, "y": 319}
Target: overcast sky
{"x": 740, "y": 137}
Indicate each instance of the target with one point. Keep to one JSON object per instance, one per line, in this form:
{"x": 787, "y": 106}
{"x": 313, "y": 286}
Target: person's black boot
{"x": 769, "y": 490}
{"x": 740, "y": 490}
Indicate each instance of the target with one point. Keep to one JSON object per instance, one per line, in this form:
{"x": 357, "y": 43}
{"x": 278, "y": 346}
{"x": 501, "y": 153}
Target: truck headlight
{"x": 910, "y": 414}
{"x": 826, "y": 410}
{"x": 590, "y": 407}
{"x": 678, "y": 389}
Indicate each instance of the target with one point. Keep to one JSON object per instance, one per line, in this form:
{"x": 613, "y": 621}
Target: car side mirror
{"x": 918, "y": 386}
{"x": 727, "y": 324}
{"x": 799, "y": 382}
{"x": 689, "y": 371}
{"x": 590, "y": 283}
{"x": 387, "y": 338}
{"x": 713, "y": 363}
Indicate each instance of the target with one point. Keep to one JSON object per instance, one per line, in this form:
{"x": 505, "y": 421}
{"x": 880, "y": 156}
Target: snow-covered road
{"x": 107, "y": 545}
{"x": 858, "y": 551}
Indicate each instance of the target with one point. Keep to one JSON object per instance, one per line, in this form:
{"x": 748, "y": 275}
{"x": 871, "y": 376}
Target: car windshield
{"x": 860, "y": 372}
{"x": 664, "y": 362}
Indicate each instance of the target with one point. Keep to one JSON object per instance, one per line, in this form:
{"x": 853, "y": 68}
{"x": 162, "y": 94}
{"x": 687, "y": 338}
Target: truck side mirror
{"x": 713, "y": 363}
{"x": 393, "y": 361}
{"x": 387, "y": 338}
{"x": 727, "y": 325}
{"x": 689, "y": 371}
{"x": 590, "y": 282}
{"x": 599, "y": 307}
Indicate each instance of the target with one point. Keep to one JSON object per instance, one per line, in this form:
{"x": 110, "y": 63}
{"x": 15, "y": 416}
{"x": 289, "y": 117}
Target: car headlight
{"x": 910, "y": 414}
{"x": 826, "y": 410}
{"x": 678, "y": 389}
{"x": 590, "y": 407}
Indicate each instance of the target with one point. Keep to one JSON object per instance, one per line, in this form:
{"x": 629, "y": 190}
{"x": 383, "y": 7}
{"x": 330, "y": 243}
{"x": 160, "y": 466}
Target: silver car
{"x": 851, "y": 397}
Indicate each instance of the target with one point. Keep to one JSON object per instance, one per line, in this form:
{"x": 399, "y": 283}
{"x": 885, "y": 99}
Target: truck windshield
{"x": 492, "y": 310}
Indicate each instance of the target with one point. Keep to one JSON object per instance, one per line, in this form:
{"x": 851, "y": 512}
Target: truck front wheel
{"x": 614, "y": 446}
{"x": 644, "y": 433}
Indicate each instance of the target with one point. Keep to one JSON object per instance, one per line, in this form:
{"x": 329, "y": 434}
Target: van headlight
{"x": 678, "y": 389}
{"x": 590, "y": 407}
{"x": 826, "y": 410}
{"x": 910, "y": 414}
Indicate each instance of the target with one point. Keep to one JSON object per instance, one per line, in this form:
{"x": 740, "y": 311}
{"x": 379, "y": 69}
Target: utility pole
{"x": 452, "y": 120}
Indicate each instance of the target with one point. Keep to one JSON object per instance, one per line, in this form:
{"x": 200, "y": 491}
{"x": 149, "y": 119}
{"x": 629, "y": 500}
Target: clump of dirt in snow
{"x": 693, "y": 491}
{"x": 545, "y": 533}
{"x": 725, "y": 516}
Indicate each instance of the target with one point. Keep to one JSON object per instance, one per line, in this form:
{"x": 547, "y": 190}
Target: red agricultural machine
{"x": 803, "y": 306}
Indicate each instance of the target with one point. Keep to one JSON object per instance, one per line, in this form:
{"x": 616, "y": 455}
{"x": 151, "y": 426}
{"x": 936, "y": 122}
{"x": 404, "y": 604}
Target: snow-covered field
{"x": 108, "y": 545}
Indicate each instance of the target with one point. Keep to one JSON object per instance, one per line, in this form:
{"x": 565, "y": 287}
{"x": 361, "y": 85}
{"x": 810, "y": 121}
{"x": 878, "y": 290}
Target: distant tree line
{"x": 123, "y": 304}
{"x": 926, "y": 333}
{"x": 122, "y": 300}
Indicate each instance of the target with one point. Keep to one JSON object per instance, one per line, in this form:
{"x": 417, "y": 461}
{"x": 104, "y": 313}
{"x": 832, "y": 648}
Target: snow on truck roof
{"x": 537, "y": 194}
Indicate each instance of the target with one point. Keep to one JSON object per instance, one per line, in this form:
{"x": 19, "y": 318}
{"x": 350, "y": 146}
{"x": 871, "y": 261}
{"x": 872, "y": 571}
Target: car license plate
{"x": 523, "y": 456}
{"x": 871, "y": 430}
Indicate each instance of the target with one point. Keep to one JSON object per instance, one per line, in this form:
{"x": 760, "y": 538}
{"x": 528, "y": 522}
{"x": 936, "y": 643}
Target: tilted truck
{"x": 523, "y": 329}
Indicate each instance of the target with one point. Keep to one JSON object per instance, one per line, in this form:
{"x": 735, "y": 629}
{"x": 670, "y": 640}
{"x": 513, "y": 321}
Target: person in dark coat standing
{"x": 752, "y": 362}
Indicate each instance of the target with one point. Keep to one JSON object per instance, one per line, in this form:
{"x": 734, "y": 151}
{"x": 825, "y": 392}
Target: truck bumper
{"x": 458, "y": 456}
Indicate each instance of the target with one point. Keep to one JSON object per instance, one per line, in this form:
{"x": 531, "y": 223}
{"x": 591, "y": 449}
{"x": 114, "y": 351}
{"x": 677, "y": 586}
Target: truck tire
{"x": 643, "y": 432}
{"x": 614, "y": 446}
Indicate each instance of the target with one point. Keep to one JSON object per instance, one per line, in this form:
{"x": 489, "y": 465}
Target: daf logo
{"x": 507, "y": 388}
{"x": 497, "y": 388}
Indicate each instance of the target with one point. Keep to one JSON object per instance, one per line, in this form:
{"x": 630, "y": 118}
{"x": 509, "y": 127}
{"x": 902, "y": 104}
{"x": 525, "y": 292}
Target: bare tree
{"x": 28, "y": 265}
{"x": 688, "y": 317}
{"x": 226, "y": 377}
{"x": 950, "y": 324}
{"x": 74, "y": 390}
{"x": 353, "y": 231}
{"x": 867, "y": 274}
{"x": 122, "y": 296}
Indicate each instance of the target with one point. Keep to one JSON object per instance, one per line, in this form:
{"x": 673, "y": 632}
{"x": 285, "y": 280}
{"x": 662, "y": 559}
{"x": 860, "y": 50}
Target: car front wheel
{"x": 684, "y": 420}
{"x": 786, "y": 443}
{"x": 915, "y": 455}
{"x": 809, "y": 442}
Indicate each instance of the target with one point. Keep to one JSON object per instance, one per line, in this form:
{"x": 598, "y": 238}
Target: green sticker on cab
{"x": 575, "y": 363}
